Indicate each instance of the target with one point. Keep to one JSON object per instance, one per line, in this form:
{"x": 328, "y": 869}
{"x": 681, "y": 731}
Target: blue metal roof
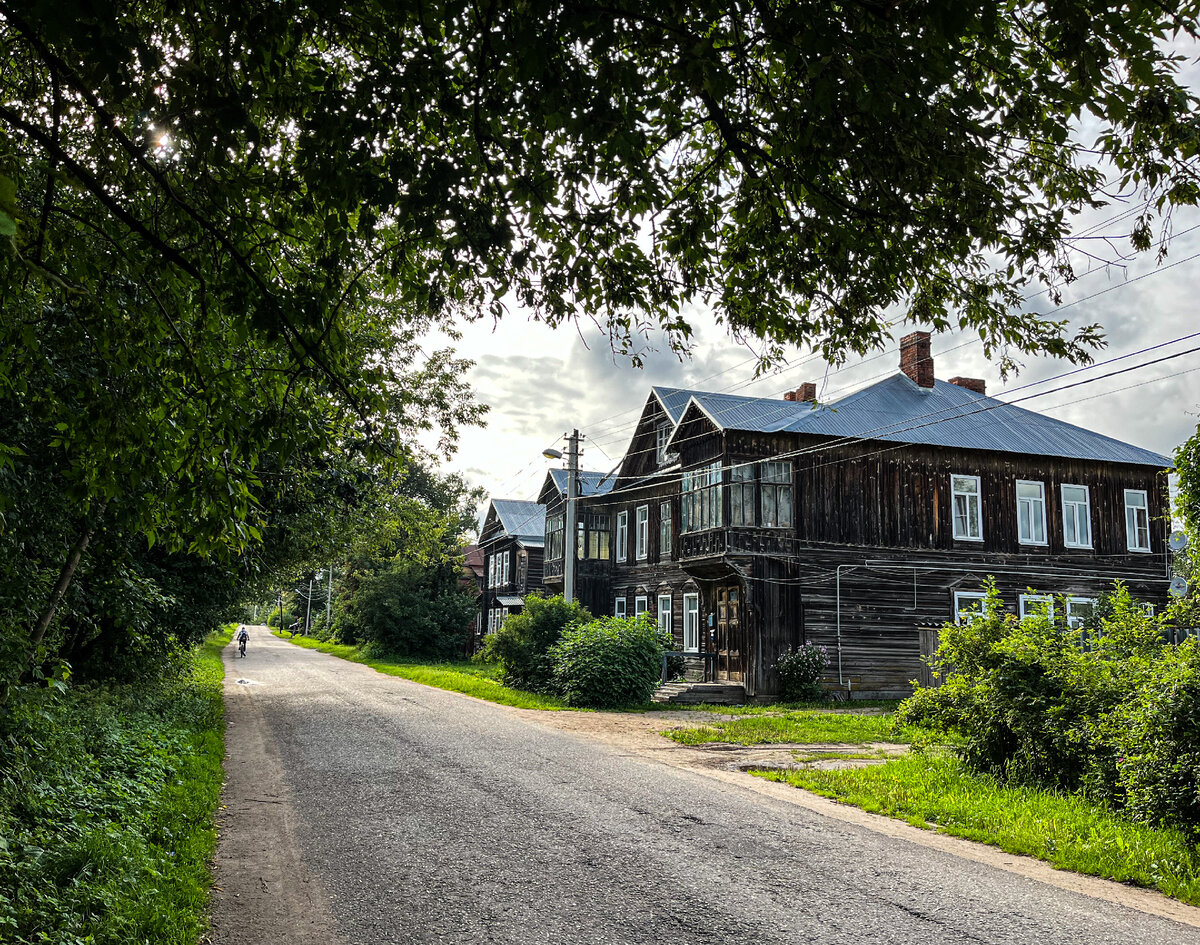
{"x": 521, "y": 519}
{"x": 898, "y": 410}
{"x": 590, "y": 483}
{"x": 674, "y": 400}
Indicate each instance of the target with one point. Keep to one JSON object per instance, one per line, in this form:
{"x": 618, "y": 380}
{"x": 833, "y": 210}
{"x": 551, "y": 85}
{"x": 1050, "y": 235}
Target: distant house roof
{"x": 522, "y": 520}
{"x": 473, "y": 558}
{"x": 590, "y": 483}
{"x": 897, "y": 410}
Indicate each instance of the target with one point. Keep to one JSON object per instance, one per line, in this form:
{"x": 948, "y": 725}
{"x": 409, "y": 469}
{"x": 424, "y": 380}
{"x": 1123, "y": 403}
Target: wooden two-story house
{"x": 511, "y": 539}
{"x": 593, "y": 542}
{"x": 750, "y": 525}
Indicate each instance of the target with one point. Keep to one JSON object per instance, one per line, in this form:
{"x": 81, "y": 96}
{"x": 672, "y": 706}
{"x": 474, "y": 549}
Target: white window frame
{"x": 491, "y": 571}
{"x": 1073, "y": 621}
{"x": 641, "y": 604}
{"x": 641, "y": 535}
{"x": 664, "y": 529}
{"x": 664, "y": 624}
{"x": 962, "y": 603}
{"x": 1031, "y": 504}
{"x": 622, "y": 544}
{"x": 1132, "y": 535}
{"x": 1074, "y": 505}
{"x": 662, "y": 434}
{"x": 504, "y": 568}
{"x": 619, "y": 607}
{"x": 977, "y": 495}
{"x": 1029, "y": 604}
{"x": 691, "y": 623}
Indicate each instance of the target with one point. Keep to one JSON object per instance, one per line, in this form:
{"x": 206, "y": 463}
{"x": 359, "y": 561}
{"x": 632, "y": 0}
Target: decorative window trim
{"x": 1074, "y": 506}
{"x": 622, "y": 544}
{"x": 641, "y": 534}
{"x": 1029, "y": 604}
{"x": 691, "y": 607}
{"x": 619, "y": 607}
{"x": 962, "y": 603}
{"x": 1021, "y": 518}
{"x": 977, "y": 495}
{"x": 1132, "y": 534}
{"x": 665, "y": 627}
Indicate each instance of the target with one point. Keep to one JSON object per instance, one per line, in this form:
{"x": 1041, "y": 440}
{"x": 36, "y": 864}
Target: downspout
{"x": 841, "y": 683}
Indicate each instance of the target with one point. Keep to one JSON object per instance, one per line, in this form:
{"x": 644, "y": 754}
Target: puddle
{"x": 246, "y": 682}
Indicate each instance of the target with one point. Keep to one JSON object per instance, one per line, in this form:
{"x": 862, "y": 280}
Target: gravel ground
{"x": 367, "y": 809}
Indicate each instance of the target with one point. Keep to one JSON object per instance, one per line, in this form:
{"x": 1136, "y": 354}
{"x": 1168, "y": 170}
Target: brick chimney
{"x": 977, "y": 384}
{"x": 915, "y": 359}
{"x": 803, "y": 394}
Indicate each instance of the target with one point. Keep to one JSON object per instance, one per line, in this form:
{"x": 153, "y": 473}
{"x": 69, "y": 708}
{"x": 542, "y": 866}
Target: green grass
{"x": 934, "y": 790}
{"x": 106, "y": 817}
{"x": 472, "y": 679}
{"x": 857, "y": 707}
{"x": 803, "y": 726}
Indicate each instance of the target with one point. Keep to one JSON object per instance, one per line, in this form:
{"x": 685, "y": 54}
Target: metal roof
{"x": 898, "y": 410}
{"x": 674, "y": 400}
{"x": 590, "y": 483}
{"x": 508, "y": 600}
{"x": 522, "y": 519}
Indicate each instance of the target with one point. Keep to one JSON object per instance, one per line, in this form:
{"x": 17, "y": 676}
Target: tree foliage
{"x": 522, "y": 646}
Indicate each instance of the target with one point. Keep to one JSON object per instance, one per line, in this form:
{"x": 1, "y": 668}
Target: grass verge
{"x": 935, "y": 791}
{"x": 471, "y": 679}
{"x": 106, "y": 817}
{"x": 804, "y": 726}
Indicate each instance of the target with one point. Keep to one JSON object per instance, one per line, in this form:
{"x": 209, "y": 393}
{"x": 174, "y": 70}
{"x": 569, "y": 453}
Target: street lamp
{"x": 569, "y": 538}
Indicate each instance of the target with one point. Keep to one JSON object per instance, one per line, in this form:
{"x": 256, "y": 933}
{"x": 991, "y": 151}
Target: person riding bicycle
{"x": 243, "y": 637}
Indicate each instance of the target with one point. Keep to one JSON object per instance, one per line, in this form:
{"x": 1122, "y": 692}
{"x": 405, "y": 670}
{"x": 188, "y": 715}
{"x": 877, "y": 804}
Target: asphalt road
{"x": 367, "y": 809}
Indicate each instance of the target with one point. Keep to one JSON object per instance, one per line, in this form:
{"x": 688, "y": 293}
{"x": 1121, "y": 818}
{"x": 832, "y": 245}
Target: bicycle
{"x": 242, "y": 648}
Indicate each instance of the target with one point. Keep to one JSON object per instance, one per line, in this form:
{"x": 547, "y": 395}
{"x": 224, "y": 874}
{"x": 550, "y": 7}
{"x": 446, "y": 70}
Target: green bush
{"x": 800, "y": 672}
{"x": 608, "y": 663}
{"x": 1105, "y": 709}
{"x": 1156, "y": 741}
{"x": 522, "y": 645}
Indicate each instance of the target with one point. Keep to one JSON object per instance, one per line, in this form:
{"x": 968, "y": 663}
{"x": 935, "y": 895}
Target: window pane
{"x": 1075, "y": 493}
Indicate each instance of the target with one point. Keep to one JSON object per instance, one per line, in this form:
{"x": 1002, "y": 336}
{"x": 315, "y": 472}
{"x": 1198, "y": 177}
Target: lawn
{"x": 802, "y": 726}
{"x": 469, "y": 678}
{"x": 934, "y": 790}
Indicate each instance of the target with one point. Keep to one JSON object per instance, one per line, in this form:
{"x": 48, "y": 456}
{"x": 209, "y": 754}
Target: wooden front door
{"x": 728, "y": 637}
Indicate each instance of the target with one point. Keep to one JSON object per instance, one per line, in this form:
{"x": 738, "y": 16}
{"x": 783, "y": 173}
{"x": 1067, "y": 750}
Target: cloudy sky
{"x": 540, "y": 383}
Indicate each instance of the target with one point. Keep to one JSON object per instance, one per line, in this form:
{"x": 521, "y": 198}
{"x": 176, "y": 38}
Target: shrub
{"x": 610, "y": 662}
{"x": 522, "y": 645}
{"x": 1156, "y": 737}
{"x": 1105, "y": 709}
{"x": 800, "y": 672}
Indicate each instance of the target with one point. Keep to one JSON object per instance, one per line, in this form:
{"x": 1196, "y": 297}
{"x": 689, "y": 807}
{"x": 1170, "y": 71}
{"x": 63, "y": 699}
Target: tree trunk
{"x": 64, "y": 581}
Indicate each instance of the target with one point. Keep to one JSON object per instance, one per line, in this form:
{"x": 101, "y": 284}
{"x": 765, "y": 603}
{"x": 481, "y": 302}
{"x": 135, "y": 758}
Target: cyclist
{"x": 243, "y": 637}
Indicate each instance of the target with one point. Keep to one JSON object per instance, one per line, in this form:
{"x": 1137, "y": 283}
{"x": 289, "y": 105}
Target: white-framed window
{"x": 1030, "y": 604}
{"x": 691, "y": 623}
{"x": 492, "y": 571}
{"x": 776, "y": 495}
{"x": 968, "y": 604}
{"x": 1078, "y": 610}
{"x": 664, "y": 613}
{"x": 1077, "y": 517}
{"x": 640, "y": 605}
{"x": 1137, "y": 520}
{"x": 622, "y": 536}
{"x": 965, "y": 500}
{"x": 619, "y": 607}
{"x": 1031, "y": 512}
{"x": 700, "y": 498}
{"x": 741, "y": 494}
{"x": 504, "y": 565}
{"x": 641, "y": 535}
{"x": 664, "y": 530}
{"x": 662, "y": 433}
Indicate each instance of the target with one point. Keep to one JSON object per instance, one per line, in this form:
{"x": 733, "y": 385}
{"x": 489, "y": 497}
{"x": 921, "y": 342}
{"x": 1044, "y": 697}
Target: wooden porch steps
{"x": 693, "y": 693}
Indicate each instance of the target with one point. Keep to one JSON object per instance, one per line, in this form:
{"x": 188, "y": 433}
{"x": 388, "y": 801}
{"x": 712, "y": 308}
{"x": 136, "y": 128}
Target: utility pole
{"x": 571, "y": 548}
{"x": 329, "y": 598}
{"x": 308, "y": 607}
